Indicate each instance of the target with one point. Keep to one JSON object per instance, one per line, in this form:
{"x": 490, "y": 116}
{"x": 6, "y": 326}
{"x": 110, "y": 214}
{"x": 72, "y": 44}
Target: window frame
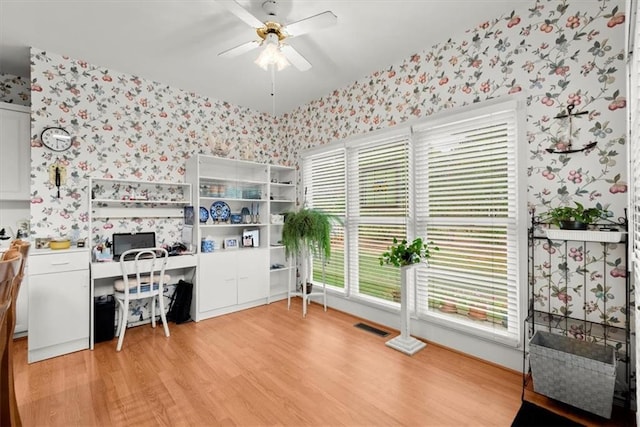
{"x": 516, "y": 103}
{"x": 515, "y": 335}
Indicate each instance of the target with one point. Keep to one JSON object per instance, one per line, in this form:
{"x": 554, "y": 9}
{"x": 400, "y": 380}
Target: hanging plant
{"x": 307, "y": 229}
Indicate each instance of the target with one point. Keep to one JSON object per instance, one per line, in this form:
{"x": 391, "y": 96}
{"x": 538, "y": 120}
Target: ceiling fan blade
{"x": 312, "y": 23}
{"x": 242, "y": 13}
{"x": 295, "y": 58}
{"x": 239, "y": 50}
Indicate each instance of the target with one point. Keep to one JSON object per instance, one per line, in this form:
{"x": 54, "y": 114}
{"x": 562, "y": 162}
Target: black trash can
{"x": 104, "y": 316}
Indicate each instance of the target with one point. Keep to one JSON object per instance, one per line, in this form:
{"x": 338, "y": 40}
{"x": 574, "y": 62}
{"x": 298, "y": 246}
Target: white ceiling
{"x": 176, "y": 42}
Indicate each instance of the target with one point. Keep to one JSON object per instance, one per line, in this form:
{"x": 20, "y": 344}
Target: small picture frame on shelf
{"x": 42, "y": 242}
{"x": 251, "y": 238}
{"x": 188, "y": 215}
{"x": 231, "y": 243}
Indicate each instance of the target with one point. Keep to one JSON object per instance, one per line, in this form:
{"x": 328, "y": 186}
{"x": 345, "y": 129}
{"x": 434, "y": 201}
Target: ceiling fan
{"x": 271, "y": 35}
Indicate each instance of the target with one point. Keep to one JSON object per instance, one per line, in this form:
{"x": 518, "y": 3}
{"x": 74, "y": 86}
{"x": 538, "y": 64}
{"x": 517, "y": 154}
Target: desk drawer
{"x": 57, "y": 262}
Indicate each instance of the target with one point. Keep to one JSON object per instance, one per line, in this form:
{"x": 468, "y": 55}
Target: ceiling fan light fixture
{"x": 271, "y": 54}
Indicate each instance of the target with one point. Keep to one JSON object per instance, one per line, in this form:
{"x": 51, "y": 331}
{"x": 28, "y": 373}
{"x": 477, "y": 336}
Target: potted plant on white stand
{"x": 407, "y": 257}
{"x": 307, "y": 233}
{"x": 574, "y": 218}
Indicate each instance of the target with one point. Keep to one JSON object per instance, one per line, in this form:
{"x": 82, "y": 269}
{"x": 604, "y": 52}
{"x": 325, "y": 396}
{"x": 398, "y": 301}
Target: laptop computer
{"x": 122, "y": 242}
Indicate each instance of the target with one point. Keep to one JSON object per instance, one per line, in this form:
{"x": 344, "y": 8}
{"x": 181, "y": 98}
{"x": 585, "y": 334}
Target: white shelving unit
{"x": 122, "y": 198}
{"x": 232, "y": 274}
{"x": 282, "y": 198}
{"x": 574, "y": 319}
{"x": 125, "y": 201}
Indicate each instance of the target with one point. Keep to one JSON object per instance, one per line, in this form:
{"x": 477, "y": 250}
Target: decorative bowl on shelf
{"x": 251, "y": 193}
{"x": 60, "y": 244}
{"x": 236, "y": 218}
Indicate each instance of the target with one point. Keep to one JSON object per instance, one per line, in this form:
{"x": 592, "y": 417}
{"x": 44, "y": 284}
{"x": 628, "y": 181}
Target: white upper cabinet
{"x": 15, "y": 151}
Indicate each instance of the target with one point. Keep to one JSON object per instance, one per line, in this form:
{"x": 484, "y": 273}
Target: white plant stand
{"x": 306, "y": 278}
{"x": 405, "y": 342}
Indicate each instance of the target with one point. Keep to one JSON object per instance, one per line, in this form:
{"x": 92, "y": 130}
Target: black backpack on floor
{"x": 180, "y": 306}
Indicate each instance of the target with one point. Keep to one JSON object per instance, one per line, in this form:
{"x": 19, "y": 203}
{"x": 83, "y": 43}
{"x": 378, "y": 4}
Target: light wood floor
{"x": 268, "y": 366}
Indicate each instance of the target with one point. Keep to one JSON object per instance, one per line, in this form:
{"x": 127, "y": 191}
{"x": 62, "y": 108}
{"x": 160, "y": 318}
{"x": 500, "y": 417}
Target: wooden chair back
{"x": 7, "y": 387}
{"x": 9, "y": 271}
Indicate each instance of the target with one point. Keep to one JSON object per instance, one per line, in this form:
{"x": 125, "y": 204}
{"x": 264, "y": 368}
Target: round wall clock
{"x": 56, "y": 139}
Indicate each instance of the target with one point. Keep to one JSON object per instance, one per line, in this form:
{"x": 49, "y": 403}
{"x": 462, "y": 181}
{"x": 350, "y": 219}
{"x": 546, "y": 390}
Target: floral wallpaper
{"x": 15, "y": 90}
{"x": 556, "y": 53}
{"x": 126, "y": 127}
{"x": 559, "y": 55}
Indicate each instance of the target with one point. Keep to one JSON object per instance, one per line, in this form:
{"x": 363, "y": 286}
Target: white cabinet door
{"x": 253, "y": 275}
{"x": 15, "y": 151}
{"x": 217, "y": 282}
{"x": 232, "y": 277}
{"x": 58, "y": 314}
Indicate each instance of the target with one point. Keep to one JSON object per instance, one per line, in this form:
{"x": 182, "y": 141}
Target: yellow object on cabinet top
{"x": 60, "y": 244}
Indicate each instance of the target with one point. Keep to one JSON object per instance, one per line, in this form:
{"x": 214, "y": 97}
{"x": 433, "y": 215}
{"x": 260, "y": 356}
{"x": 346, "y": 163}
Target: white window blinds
{"x": 453, "y": 181}
{"x": 378, "y": 205}
{"x": 324, "y": 182}
{"x": 466, "y": 203}
{"x": 325, "y": 189}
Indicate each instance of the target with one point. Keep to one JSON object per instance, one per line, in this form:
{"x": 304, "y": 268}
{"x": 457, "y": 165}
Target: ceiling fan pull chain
{"x": 273, "y": 89}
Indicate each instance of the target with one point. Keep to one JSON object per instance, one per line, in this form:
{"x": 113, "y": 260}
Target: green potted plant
{"x": 573, "y": 218}
{"x": 406, "y": 256}
{"x": 307, "y": 232}
{"x": 402, "y": 253}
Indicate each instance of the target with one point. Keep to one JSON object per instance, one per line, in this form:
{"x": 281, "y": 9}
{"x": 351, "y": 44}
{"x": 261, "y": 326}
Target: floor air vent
{"x": 373, "y": 330}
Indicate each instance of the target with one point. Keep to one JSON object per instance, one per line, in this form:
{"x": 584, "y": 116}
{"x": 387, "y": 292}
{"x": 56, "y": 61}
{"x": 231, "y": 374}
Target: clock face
{"x": 56, "y": 139}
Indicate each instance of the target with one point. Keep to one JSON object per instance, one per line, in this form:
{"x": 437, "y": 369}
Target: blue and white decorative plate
{"x": 204, "y": 214}
{"x": 220, "y": 211}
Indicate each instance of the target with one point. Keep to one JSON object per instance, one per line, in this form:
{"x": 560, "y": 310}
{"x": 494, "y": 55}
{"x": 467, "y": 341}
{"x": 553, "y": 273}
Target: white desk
{"x": 104, "y": 273}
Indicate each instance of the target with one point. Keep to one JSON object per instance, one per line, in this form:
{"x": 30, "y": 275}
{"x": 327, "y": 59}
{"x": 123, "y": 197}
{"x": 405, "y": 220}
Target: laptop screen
{"x": 122, "y": 242}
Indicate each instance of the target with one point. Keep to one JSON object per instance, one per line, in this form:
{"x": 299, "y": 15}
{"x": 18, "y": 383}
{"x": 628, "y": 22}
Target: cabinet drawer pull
{"x": 60, "y": 263}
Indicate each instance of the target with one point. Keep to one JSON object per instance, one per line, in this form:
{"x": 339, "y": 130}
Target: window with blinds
{"x": 454, "y": 182}
{"x": 377, "y": 211}
{"x": 466, "y": 204}
{"x": 325, "y": 189}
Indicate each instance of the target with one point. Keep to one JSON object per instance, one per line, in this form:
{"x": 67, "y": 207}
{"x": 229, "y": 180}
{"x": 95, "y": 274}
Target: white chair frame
{"x": 143, "y": 277}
